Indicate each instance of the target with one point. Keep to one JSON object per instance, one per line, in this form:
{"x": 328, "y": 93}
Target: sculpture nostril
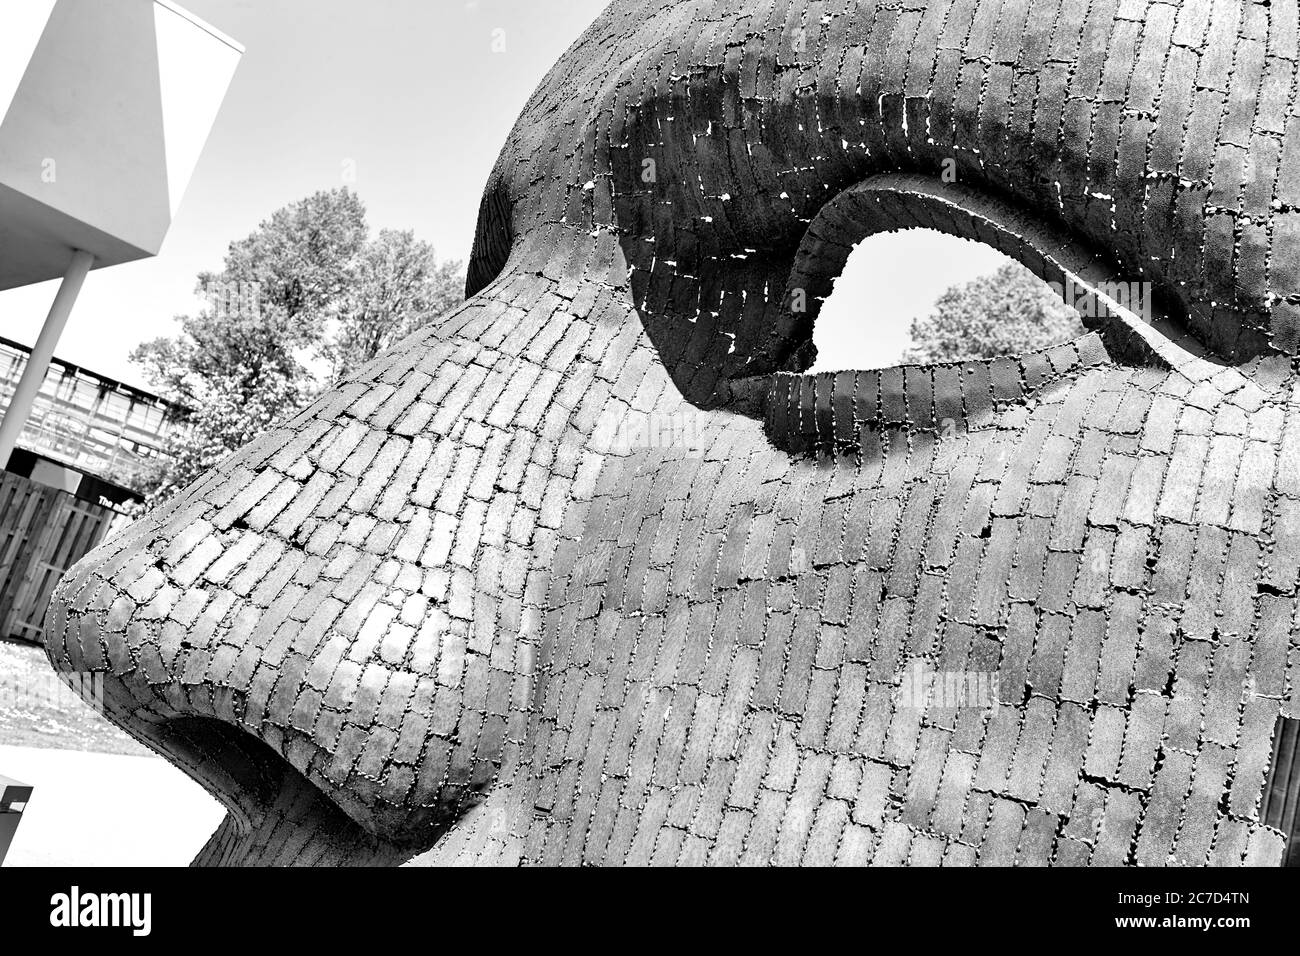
{"x": 242, "y": 771}
{"x": 188, "y": 668}
{"x": 275, "y": 815}
{"x": 95, "y": 626}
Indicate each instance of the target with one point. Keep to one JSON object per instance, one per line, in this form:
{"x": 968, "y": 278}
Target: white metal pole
{"x": 38, "y": 363}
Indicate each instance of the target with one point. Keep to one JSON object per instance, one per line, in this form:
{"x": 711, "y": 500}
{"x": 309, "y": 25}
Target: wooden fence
{"x": 43, "y": 532}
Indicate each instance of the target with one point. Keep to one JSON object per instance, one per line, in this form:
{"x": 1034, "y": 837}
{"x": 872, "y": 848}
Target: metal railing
{"x": 88, "y": 421}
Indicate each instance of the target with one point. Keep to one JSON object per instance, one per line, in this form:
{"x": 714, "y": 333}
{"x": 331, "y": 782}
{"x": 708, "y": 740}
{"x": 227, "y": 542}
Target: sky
{"x": 888, "y": 280}
{"x": 407, "y": 102}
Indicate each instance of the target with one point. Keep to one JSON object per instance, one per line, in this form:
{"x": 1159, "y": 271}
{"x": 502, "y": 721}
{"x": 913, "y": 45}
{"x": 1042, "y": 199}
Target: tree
{"x": 1005, "y": 313}
{"x": 397, "y": 286}
{"x": 299, "y": 303}
{"x": 229, "y": 416}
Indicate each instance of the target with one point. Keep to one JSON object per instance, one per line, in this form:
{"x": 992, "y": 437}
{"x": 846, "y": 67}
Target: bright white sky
{"x": 890, "y": 279}
{"x": 411, "y": 92}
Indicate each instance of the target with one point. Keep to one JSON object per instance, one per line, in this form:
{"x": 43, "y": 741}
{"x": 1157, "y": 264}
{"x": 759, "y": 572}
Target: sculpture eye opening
{"x": 1126, "y": 317}
{"x": 920, "y": 296}
{"x": 1117, "y": 301}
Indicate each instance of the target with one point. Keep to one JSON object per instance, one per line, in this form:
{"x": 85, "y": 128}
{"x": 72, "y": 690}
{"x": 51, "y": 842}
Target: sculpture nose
{"x": 216, "y": 655}
{"x": 149, "y": 629}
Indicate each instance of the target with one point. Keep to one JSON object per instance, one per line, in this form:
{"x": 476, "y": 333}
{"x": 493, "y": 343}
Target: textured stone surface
{"x": 590, "y": 571}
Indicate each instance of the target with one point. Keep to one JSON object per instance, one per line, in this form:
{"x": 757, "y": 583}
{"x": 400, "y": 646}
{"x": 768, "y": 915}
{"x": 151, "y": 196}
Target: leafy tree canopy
{"x": 307, "y": 298}
{"x": 1004, "y": 313}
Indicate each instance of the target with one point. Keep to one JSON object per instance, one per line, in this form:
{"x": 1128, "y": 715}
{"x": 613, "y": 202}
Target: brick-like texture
{"x": 590, "y": 571}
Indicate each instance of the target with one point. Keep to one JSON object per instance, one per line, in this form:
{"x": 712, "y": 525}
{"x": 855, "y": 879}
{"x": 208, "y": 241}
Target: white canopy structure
{"x": 105, "y": 106}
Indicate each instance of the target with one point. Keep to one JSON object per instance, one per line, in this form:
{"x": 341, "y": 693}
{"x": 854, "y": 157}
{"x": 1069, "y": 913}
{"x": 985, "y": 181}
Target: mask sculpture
{"x": 590, "y": 571}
